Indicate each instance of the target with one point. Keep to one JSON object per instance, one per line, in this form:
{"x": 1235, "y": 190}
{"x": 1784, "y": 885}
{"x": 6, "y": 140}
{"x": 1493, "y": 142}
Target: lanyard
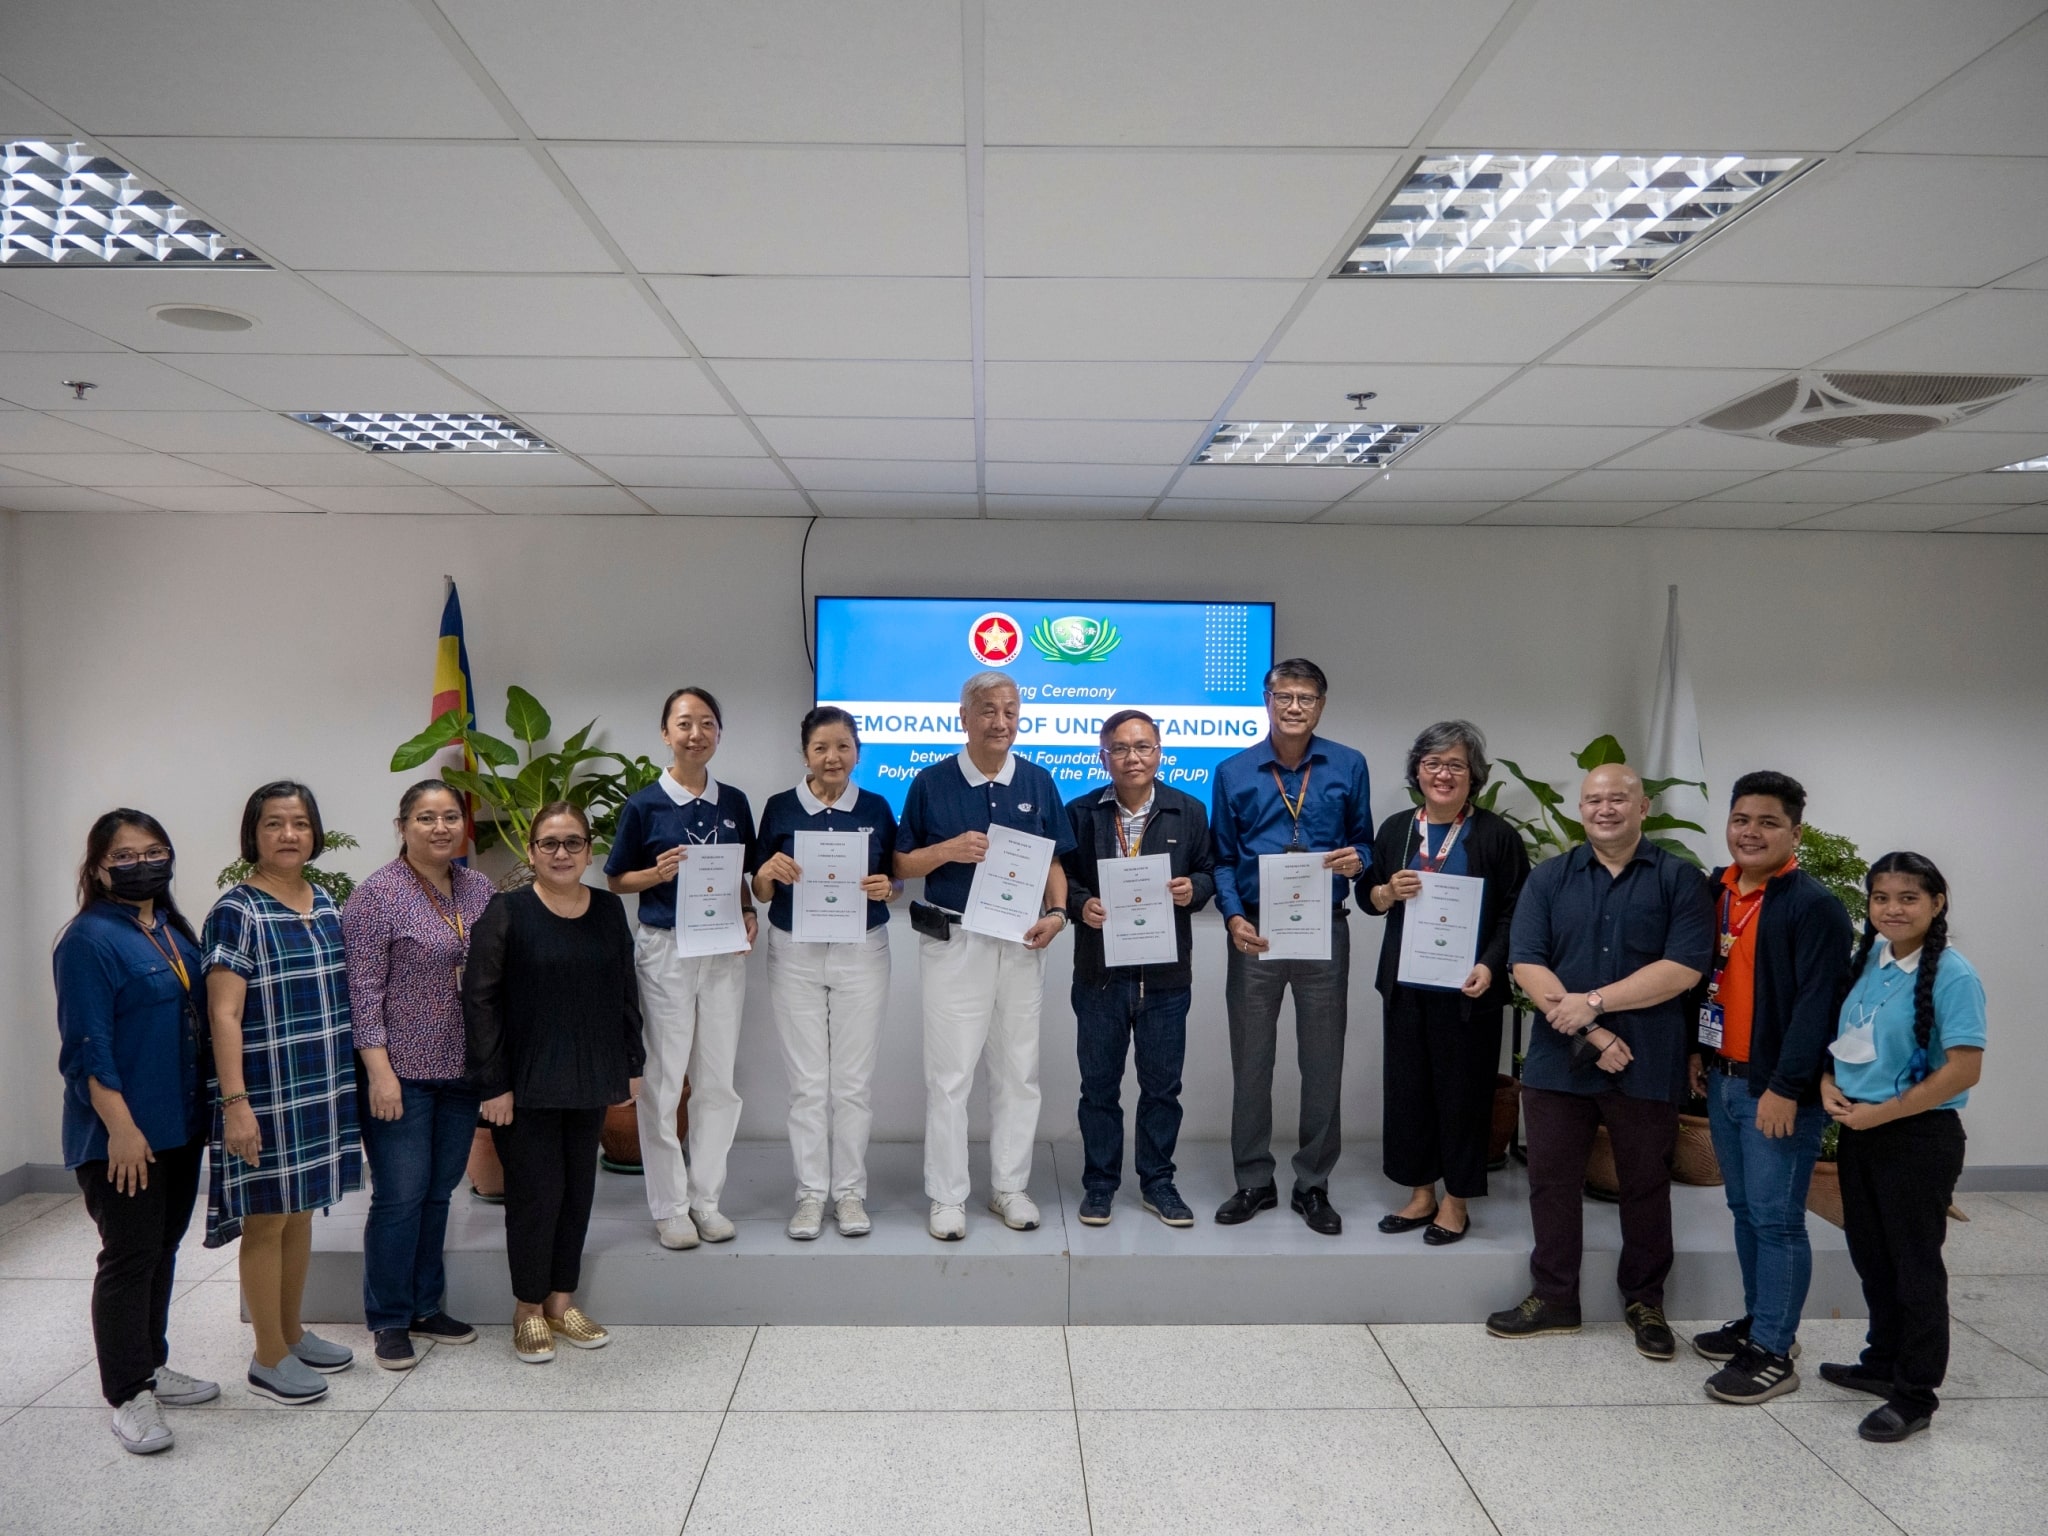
{"x": 1436, "y": 865}
{"x": 1729, "y": 936}
{"x": 170, "y": 952}
{"x": 1123, "y": 840}
{"x": 434, "y": 901}
{"x": 1295, "y": 806}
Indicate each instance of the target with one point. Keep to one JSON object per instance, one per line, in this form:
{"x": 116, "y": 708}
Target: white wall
{"x": 1901, "y": 677}
{"x": 27, "y": 1097}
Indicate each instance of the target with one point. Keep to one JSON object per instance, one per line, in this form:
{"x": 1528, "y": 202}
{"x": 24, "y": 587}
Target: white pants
{"x": 690, "y": 1011}
{"x": 981, "y": 996}
{"x": 828, "y": 1011}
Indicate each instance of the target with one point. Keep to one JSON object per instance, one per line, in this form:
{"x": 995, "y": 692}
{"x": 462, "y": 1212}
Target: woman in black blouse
{"x": 553, "y": 1013}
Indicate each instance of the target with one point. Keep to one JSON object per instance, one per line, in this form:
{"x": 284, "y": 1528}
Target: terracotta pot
{"x": 1507, "y": 1113}
{"x": 1693, "y": 1160}
{"x": 486, "y": 1173}
{"x": 1824, "y": 1194}
{"x": 1602, "y": 1182}
{"x": 619, "y": 1142}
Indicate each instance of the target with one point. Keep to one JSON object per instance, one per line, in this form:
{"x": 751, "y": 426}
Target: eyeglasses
{"x": 1296, "y": 700}
{"x": 554, "y": 845}
{"x": 443, "y": 819}
{"x": 128, "y": 858}
{"x": 1433, "y": 767}
{"x": 1123, "y": 751}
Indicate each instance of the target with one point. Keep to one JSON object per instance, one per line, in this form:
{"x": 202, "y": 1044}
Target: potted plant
{"x": 338, "y": 884}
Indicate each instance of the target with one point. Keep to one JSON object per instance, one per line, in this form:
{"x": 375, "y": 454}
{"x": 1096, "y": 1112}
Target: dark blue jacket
{"x": 1178, "y": 828}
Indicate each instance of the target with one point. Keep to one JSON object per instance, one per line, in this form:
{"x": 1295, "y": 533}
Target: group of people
{"x": 288, "y": 1040}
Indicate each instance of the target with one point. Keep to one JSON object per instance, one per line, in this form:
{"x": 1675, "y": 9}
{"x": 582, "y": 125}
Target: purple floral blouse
{"x": 404, "y": 961}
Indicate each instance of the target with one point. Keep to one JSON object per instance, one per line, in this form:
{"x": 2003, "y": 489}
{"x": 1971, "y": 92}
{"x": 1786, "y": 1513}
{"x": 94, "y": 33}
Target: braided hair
{"x": 1921, "y": 869}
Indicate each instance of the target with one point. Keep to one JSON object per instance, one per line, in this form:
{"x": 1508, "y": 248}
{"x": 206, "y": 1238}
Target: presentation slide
{"x": 897, "y": 663}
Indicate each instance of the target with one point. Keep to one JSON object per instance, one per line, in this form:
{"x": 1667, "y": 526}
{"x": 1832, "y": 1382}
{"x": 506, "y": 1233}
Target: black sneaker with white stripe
{"x": 1754, "y": 1376}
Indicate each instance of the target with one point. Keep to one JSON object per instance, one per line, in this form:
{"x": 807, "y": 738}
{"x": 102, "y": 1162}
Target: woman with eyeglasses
{"x": 1910, "y": 1048}
{"x": 406, "y": 929}
{"x": 552, "y": 1008}
{"x": 132, "y": 1059}
{"x": 828, "y": 996}
{"x": 1442, "y": 1037}
{"x": 284, "y": 1143}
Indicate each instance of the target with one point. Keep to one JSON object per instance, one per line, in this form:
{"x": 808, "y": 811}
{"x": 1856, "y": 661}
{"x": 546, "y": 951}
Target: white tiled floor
{"x": 1104, "y": 1431}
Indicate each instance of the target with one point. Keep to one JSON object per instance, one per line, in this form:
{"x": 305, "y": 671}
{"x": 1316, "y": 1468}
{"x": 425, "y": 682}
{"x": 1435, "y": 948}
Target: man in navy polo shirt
{"x": 981, "y": 994}
{"x": 1293, "y": 792}
{"x": 1607, "y": 940}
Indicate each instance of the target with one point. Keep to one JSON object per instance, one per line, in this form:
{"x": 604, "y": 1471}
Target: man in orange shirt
{"x": 1766, "y": 1013}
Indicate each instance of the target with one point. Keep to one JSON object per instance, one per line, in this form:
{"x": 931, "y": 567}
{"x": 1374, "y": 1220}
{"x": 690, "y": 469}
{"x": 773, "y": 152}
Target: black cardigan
{"x": 1178, "y": 828}
{"x": 1803, "y": 942}
{"x": 1493, "y": 853}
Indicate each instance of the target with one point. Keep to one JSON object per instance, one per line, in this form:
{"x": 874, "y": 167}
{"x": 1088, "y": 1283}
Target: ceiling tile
{"x": 1469, "y": 447}
{"x": 1574, "y": 514}
{"x": 347, "y": 207}
{"x": 1078, "y": 479}
{"x": 124, "y": 383}
{"x": 120, "y": 302}
{"x": 1317, "y": 483}
{"x": 724, "y": 436}
{"x": 1867, "y": 220}
{"x": 245, "y": 67}
{"x": 585, "y": 385}
{"x": 25, "y": 328}
{"x": 1395, "y": 513}
{"x": 1828, "y": 485}
{"x": 218, "y": 498}
{"x": 1995, "y": 106}
{"x": 1207, "y": 72}
{"x": 1730, "y": 514}
{"x": 857, "y": 317}
{"x": 2014, "y": 487}
{"x": 507, "y": 316}
{"x": 406, "y": 499}
{"x": 2012, "y": 520}
{"x": 1156, "y": 391}
{"x": 324, "y": 469}
{"x": 882, "y": 475}
{"x": 64, "y": 498}
{"x": 1661, "y": 485}
{"x": 555, "y": 499}
{"x": 1415, "y": 392}
{"x": 212, "y": 431}
{"x": 2035, "y": 276}
{"x": 1957, "y": 452}
{"x": 1116, "y": 318}
{"x": 1110, "y": 213}
{"x": 869, "y": 437}
{"x": 1745, "y": 325}
{"x": 1892, "y": 517}
{"x": 1444, "y": 320}
{"x": 1649, "y": 397}
{"x": 1094, "y": 442}
{"x": 730, "y": 501}
{"x": 896, "y": 504}
{"x": 1098, "y": 509}
{"x": 1492, "y": 486}
{"x": 791, "y": 210}
{"x": 883, "y": 71}
{"x": 2000, "y": 331}
{"x": 780, "y": 387}
{"x": 1611, "y": 74}
{"x": 103, "y": 471}
{"x": 1698, "y": 448}
{"x": 21, "y": 118}
{"x": 33, "y": 432}
{"x": 466, "y": 469}
{"x": 1205, "y": 509}
{"x": 21, "y": 477}
{"x": 346, "y": 383}
{"x": 647, "y": 470}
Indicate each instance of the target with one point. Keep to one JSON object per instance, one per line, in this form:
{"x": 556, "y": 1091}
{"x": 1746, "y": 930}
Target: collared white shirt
{"x": 1910, "y": 965}
{"x": 1134, "y": 821}
{"x": 813, "y": 805}
{"x": 682, "y": 796}
{"x": 975, "y": 777}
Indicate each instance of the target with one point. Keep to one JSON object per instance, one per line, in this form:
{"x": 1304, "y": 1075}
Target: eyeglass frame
{"x": 128, "y": 858}
{"x": 554, "y": 845}
{"x": 1298, "y": 700}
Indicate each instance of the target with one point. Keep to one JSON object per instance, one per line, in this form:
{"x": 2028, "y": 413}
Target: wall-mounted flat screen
{"x": 897, "y": 664}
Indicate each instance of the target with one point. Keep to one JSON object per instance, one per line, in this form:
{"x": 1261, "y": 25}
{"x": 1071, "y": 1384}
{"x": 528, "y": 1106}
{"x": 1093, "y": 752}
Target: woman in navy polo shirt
{"x": 828, "y": 997}
{"x": 690, "y": 1003}
{"x": 134, "y": 1111}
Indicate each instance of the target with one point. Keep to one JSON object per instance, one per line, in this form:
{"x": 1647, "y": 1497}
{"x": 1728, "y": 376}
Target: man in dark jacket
{"x": 1133, "y": 815}
{"x": 1766, "y": 1014}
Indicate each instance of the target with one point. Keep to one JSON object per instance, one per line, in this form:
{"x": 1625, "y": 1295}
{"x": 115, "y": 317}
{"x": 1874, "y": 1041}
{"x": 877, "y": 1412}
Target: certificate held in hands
{"x": 1139, "y": 928}
{"x": 1294, "y": 906}
{"x": 708, "y": 920}
{"x": 1009, "y": 885}
{"x": 827, "y": 905}
{"x": 1440, "y": 932}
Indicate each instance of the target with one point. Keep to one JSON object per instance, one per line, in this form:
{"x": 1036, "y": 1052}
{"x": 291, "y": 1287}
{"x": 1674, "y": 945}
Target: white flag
{"x": 1674, "y": 747}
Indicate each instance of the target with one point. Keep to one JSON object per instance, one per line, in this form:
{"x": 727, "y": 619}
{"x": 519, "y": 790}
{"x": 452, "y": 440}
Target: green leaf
{"x": 1545, "y": 795}
{"x": 1673, "y": 846}
{"x": 499, "y": 754}
{"x": 1485, "y": 799}
{"x": 442, "y": 734}
{"x": 1663, "y": 823}
{"x": 1414, "y": 795}
{"x": 524, "y": 717}
{"x": 1655, "y": 787}
{"x": 573, "y": 747}
{"x": 530, "y": 788}
{"x": 1600, "y": 750}
{"x": 1575, "y": 830}
{"x": 482, "y": 785}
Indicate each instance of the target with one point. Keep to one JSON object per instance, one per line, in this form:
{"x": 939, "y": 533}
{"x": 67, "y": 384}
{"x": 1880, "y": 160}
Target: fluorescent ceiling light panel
{"x": 1363, "y": 443}
{"x": 424, "y": 431}
{"x": 1529, "y": 213}
{"x": 62, "y": 205}
{"x": 2024, "y": 466}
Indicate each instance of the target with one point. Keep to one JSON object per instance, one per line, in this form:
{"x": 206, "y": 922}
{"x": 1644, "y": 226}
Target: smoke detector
{"x": 1856, "y": 410}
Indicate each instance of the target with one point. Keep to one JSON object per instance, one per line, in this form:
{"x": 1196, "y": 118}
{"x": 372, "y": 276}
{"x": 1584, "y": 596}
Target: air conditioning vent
{"x": 1851, "y": 410}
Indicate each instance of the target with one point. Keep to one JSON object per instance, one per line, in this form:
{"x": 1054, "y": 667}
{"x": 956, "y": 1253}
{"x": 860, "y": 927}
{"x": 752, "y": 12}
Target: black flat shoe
{"x": 1443, "y": 1237}
{"x": 1393, "y": 1225}
{"x": 1246, "y": 1204}
{"x": 1313, "y": 1206}
{"x": 1887, "y": 1425}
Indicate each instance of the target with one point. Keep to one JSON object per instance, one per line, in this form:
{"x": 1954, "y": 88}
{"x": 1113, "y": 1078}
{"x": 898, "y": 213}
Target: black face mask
{"x": 143, "y": 881}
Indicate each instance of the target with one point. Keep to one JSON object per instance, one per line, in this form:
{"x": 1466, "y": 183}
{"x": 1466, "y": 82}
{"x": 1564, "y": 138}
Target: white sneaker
{"x": 852, "y": 1215}
{"x": 174, "y": 1389}
{"x": 1019, "y": 1212}
{"x": 809, "y": 1219}
{"x": 711, "y": 1226}
{"x": 139, "y": 1425}
{"x": 676, "y": 1232}
{"x": 948, "y": 1223}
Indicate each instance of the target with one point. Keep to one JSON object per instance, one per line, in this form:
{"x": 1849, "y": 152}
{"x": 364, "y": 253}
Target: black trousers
{"x": 1437, "y": 1087}
{"x": 131, "y": 1289}
{"x": 1897, "y": 1181}
{"x": 550, "y": 1158}
{"x": 1560, "y": 1129}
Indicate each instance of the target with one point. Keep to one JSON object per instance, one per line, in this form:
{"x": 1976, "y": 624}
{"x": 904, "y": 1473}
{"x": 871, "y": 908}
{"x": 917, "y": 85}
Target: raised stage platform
{"x": 1269, "y": 1270}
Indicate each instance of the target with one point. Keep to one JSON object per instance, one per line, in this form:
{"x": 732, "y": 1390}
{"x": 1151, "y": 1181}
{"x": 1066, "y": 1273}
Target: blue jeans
{"x": 415, "y": 1163}
{"x": 1766, "y": 1189}
{"x": 1107, "y": 1020}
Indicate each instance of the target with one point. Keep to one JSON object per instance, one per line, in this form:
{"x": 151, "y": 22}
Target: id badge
{"x": 1711, "y": 1025}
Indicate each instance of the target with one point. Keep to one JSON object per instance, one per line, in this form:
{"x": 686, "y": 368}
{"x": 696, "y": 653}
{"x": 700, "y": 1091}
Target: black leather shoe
{"x": 1855, "y": 1379}
{"x": 1246, "y": 1204}
{"x": 1393, "y": 1225}
{"x": 1654, "y": 1340}
{"x": 1887, "y": 1425}
{"x": 1314, "y": 1208}
{"x": 1443, "y": 1237}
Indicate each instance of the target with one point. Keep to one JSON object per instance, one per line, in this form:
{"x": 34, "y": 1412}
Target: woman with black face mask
{"x": 134, "y": 1113}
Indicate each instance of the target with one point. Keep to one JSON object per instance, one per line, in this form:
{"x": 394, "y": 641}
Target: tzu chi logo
{"x": 994, "y": 639}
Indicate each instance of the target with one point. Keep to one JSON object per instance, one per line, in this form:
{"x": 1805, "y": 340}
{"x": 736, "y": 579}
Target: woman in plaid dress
{"x": 284, "y": 1138}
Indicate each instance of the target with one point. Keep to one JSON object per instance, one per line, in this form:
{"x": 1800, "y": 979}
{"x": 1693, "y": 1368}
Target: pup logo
{"x": 994, "y": 639}
{"x": 1075, "y": 639}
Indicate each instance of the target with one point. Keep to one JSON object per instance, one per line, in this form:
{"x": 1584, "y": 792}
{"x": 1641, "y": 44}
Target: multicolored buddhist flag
{"x": 454, "y": 690}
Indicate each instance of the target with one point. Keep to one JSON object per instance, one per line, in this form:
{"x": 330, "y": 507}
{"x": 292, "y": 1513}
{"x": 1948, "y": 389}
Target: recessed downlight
{"x": 202, "y": 317}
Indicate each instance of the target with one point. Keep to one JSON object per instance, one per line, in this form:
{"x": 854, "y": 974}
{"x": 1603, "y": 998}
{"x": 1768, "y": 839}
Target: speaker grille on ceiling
{"x": 1839, "y": 410}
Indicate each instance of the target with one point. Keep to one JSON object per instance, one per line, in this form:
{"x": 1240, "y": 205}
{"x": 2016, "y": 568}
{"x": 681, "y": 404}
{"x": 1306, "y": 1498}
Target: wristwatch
{"x": 1593, "y": 1002}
